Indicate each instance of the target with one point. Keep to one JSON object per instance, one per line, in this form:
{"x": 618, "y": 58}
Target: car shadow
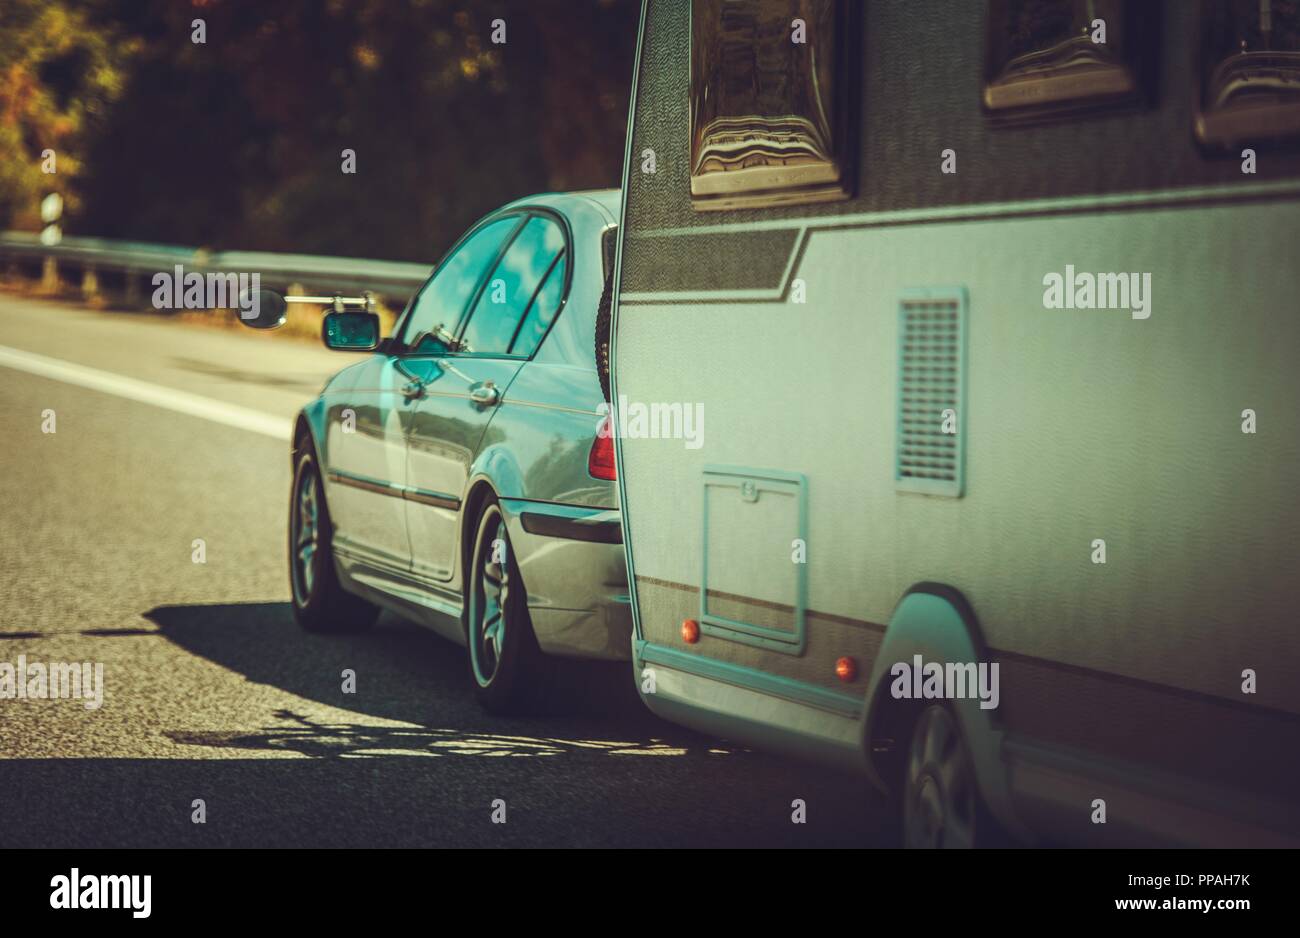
{"x": 98, "y": 803}
{"x": 420, "y": 764}
{"x": 405, "y": 673}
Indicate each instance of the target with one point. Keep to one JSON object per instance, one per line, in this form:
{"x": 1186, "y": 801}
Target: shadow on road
{"x": 606, "y": 773}
{"x": 328, "y": 740}
{"x": 406, "y": 673}
{"x": 407, "y": 802}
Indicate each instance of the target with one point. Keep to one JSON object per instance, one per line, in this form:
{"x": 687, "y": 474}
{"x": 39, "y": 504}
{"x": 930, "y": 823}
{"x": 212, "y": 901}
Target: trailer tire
{"x": 941, "y": 801}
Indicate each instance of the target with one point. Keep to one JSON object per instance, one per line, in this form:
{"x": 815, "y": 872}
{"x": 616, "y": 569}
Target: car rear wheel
{"x": 509, "y": 671}
{"x": 320, "y": 604}
{"x": 941, "y": 800}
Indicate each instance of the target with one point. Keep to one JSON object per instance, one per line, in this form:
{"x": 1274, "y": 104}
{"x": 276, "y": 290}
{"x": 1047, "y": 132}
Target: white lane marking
{"x": 183, "y": 402}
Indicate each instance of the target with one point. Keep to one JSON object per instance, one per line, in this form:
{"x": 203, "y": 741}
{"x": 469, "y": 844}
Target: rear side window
{"x": 542, "y": 312}
{"x": 508, "y": 295}
{"x": 439, "y": 306}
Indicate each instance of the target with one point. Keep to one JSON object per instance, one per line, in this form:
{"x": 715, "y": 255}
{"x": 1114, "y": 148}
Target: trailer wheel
{"x": 941, "y": 800}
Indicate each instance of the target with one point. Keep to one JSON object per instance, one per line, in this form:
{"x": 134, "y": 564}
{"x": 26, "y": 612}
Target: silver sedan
{"x": 460, "y": 473}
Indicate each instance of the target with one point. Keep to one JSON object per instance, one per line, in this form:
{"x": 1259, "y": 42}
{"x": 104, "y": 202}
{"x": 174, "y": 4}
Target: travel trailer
{"x": 988, "y": 316}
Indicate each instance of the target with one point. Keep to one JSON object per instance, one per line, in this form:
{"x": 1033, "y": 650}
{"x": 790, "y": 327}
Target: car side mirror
{"x": 263, "y": 309}
{"x": 351, "y": 331}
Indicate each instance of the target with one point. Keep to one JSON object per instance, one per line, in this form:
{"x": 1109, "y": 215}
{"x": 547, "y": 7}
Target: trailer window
{"x": 768, "y": 102}
{"x": 1049, "y": 57}
{"x": 1250, "y": 71}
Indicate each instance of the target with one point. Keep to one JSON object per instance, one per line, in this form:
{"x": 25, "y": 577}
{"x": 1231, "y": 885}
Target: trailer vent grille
{"x": 930, "y": 442}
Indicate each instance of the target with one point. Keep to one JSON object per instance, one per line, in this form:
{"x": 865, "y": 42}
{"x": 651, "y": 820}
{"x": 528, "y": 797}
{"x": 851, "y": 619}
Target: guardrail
{"x": 393, "y": 281}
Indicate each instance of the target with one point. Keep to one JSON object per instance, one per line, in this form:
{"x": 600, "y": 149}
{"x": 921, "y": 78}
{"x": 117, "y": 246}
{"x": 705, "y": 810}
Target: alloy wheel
{"x": 306, "y": 535}
{"x": 491, "y": 594}
{"x": 940, "y": 793}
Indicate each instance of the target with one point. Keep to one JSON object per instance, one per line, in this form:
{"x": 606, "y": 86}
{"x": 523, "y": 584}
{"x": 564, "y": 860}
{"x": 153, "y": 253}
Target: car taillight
{"x": 600, "y": 461}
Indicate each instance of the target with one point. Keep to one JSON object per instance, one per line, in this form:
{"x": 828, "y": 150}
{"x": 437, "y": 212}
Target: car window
{"x": 510, "y": 288}
{"x": 437, "y": 311}
{"x": 542, "y": 310}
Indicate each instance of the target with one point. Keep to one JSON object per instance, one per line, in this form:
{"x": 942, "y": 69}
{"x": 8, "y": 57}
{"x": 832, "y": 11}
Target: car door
{"x": 462, "y": 390}
{"x": 368, "y": 466}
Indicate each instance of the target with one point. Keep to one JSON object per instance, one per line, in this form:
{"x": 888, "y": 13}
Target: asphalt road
{"x": 210, "y": 690}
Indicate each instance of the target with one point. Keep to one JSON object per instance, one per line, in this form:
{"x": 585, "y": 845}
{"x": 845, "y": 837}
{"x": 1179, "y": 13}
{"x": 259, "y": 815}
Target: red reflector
{"x": 846, "y": 669}
{"x": 690, "y": 631}
{"x": 600, "y": 461}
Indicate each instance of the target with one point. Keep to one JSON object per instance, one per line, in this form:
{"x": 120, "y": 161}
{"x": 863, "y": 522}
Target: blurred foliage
{"x": 236, "y": 142}
{"x": 59, "y": 73}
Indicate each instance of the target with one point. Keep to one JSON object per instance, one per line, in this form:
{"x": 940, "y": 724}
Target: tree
{"x": 59, "y": 73}
{"x": 237, "y": 142}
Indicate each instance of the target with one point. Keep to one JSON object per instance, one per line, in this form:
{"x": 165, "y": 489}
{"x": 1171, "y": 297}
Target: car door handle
{"x": 413, "y": 389}
{"x": 485, "y": 392}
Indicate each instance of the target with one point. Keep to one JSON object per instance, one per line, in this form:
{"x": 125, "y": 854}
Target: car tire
{"x": 942, "y": 807}
{"x": 320, "y": 604}
{"x": 509, "y": 672}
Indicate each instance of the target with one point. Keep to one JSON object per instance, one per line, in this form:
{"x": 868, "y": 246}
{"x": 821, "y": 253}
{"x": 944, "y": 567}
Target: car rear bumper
{"x": 571, "y": 559}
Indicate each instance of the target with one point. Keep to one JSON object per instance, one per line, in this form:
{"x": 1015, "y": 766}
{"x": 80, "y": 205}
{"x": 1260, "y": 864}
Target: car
{"x": 459, "y": 474}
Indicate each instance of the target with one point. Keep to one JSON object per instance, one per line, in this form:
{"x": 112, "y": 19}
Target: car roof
{"x": 607, "y": 200}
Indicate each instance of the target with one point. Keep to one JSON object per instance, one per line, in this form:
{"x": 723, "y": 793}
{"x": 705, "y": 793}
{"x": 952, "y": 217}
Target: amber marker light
{"x": 690, "y": 631}
{"x": 846, "y": 669}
